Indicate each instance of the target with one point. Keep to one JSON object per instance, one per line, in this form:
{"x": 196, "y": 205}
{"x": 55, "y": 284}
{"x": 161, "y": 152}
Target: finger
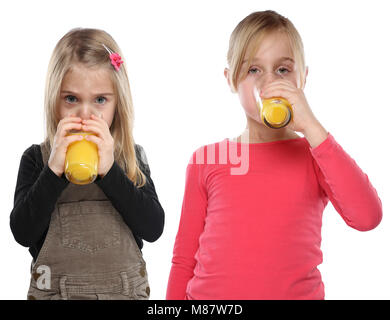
{"x": 66, "y": 141}
{"x": 71, "y": 117}
{"x": 98, "y": 118}
{"x": 286, "y": 81}
{"x": 92, "y": 122}
{"x": 279, "y": 84}
{"x": 104, "y": 129}
{"x": 94, "y": 129}
{"x": 96, "y": 140}
{"x": 63, "y": 130}
{"x": 98, "y": 122}
{"x": 275, "y": 93}
{"x": 93, "y": 117}
{"x": 68, "y": 120}
{"x": 272, "y": 92}
{"x": 281, "y": 94}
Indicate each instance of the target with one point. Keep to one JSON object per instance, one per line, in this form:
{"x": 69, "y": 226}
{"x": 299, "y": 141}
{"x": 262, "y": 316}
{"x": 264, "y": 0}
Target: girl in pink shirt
{"x": 251, "y": 217}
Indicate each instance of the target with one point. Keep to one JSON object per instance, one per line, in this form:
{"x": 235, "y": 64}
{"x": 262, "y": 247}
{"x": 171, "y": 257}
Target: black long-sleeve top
{"x": 38, "y": 189}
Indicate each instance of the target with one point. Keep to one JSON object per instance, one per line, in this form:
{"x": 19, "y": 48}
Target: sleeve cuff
{"x": 114, "y": 171}
{"x": 59, "y": 183}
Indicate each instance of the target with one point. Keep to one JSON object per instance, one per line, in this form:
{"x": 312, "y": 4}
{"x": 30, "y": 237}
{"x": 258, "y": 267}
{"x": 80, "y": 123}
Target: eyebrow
{"x": 95, "y": 94}
{"x": 279, "y": 60}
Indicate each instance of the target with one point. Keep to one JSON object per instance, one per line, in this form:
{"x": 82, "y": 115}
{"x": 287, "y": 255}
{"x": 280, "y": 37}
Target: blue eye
{"x": 70, "y": 99}
{"x": 285, "y": 70}
{"x": 101, "y": 100}
{"x": 253, "y": 70}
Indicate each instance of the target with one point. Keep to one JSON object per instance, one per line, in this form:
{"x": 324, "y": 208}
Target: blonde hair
{"x": 82, "y": 45}
{"x": 246, "y": 39}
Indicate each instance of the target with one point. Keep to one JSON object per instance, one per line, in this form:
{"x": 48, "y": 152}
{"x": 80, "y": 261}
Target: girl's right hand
{"x": 61, "y": 141}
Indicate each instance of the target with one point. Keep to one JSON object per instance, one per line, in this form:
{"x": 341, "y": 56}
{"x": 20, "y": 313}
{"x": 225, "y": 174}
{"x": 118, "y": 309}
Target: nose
{"x": 85, "y": 112}
{"x": 267, "y": 78}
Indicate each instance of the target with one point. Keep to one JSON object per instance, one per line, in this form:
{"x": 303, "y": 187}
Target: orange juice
{"x": 81, "y": 161}
{"x": 276, "y": 113}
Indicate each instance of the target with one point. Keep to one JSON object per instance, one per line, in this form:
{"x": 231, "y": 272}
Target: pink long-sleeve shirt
{"x": 258, "y": 235}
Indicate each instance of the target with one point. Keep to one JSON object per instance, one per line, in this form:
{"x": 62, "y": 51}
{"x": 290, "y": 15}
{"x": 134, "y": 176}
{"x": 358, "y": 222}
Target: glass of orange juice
{"x": 81, "y": 161}
{"x": 275, "y": 112}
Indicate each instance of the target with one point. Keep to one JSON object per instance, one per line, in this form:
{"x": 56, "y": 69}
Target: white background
{"x": 175, "y": 52}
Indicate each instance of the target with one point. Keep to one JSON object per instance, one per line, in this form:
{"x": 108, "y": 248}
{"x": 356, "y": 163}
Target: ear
{"x": 226, "y": 73}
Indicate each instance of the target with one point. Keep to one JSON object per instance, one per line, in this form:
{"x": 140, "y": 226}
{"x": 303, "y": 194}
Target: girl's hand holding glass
{"x": 61, "y": 142}
{"x": 303, "y": 115}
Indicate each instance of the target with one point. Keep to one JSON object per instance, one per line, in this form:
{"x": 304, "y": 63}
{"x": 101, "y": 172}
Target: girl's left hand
{"x": 303, "y": 117}
{"x": 103, "y": 140}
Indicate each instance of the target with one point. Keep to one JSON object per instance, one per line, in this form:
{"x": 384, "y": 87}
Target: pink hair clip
{"x": 116, "y": 59}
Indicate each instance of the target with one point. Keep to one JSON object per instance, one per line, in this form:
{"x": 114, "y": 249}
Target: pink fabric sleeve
{"x": 347, "y": 186}
{"x": 191, "y": 226}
